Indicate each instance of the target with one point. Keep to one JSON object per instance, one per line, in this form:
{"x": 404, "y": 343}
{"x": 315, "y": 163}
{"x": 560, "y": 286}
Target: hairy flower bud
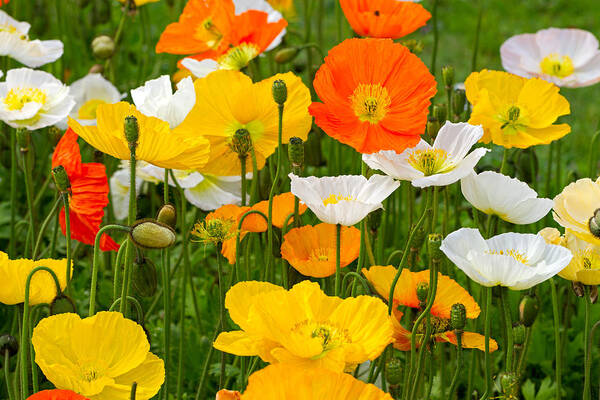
{"x": 393, "y": 371}
{"x": 439, "y": 113}
{"x": 151, "y": 234}
{"x": 594, "y": 223}
{"x": 296, "y": 153}
{"x": 418, "y": 239}
{"x": 422, "y": 291}
{"x": 518, "y": 334}
{"x": 8, "y": 344}
{"x": 61, "y": 179}
{"x": 577, "y": 288}
{"x": 528, "y": 310}
{"x": 144, "y": 277}
{"x": 62, "y": 304}
{"x": 103, "y": 47}
{"x": 448, "y": 76}
{"x": 241, "y": 143}
{"x": 286, "y": 54}
{"x": 458, "y": 316}
{"x": 459, "y": 100}
{"x": 280, "y": 92}
{"x": 434, "y": 241}
{"x": 167, "y": 215}
{"x": 433, "y": 127}
{"x": 132, "y": 131}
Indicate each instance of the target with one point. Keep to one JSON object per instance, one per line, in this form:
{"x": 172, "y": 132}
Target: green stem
{"x": 166, "y": 282}
{"x": 28, "y": 191}
{"x": 557, "y": 352}
{"x": 587, "y": 388}
{"x": 523, "y": 356}
{"x": 138, "y": 307}
{"x": 504, "y": 301}
{"x": 434, "y": 23}
{"x": 244, "y": 181}
{"x": 13, "y": 192}
{"x": 592, "y": 161}
{"x": 221, "y": 311}
{"x": 477, "y": 32}
{"x": 65, "y": 198}
{"x": 459, "y": 362}
{"x": 338, "y": 252}
{"x": 117, "y": 271}
{"x": 6, "y": 366}
{"x": 133, "y": 391}
{"x": 488, "y": 359}
{"x": 44, "y": 226}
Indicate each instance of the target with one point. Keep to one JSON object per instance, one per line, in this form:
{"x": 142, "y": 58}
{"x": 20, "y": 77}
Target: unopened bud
{"x": 150, "y": 234}
{"x": 433, "y": 127}
{"x": 593, "y": 294}
{"x": 439, "y": 113}
{"x": 144, "y": 277}
{"x": 132, "y": 131}
{"x": 167, "y": 215}
{"x": 393, "y": 371}
{"x": 434, "y": 241}
{"x": 8, "y": 343}
{"x": 103, "y": 47}
{"x": 62, "y": 304}
{"x": 528, "y": 310}
{"x": 448, "y": 76}
{"x": 61, "y": 179}
{"x": 459, "y": 100}
{"x": 241, "y": 143}
{"x": 422, "y": 291}
{"x": 415, "y": 46}
{"x": 458, "y": 316}
{"x": 418, "y": 239}
{"x": 518, "y": 334}
{"x": 296, "y": 153}
{"x": 279, "y": 92}
{"x": 594, "y": 223}
{"x": 286, "y": 55}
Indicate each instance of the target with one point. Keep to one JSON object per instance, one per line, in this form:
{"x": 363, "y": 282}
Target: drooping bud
{"x": 167, "y": 215}
{"x": 241, "y": 143}
{"x": 144, "y": 277}
{"x": 422, "y": 291}
{"x": 393, "y": 371}
{"x": 459, "y": 100}
{"x": 578, "y": 288}
{"x": 23, "y": 139}
{"x": 103, "y": 47}
{"x": 280, "y": 92}
{"x": 132, "y": 131}
{"x": 8, "y": 344}
{"x": 151, "y": 234}
{"x": 434, "y": 242}
{"x": 593, "y": 294}
{"x": 518, "y": 334}
{"x": 448, "y": 76}
{"x": 415, "y": 46}
{"x": 439, "y": 113}
{"x": 594, "y": 223}
{"x": 61, "y": 179}
{"x": 458, "y": 316}
{"x": 62, "y": 304}
{"x": 286, "y": 54}
{"x": 528, "y": 310}
{"x": 433, "y": 127}
{"x": 296, "y": 153}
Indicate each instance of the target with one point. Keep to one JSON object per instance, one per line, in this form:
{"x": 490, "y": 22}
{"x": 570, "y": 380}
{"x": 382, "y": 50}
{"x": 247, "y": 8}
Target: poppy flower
{"x": 311, "y": 250}
{"x": 283, "y": 206}
{"x": 576, "y": 205}
{"x": 373, "y": 109}
{"x": 241, "y": 6}
{"x": 157, "y": 144}
{"x": 439, "y": 165}
{"x": 42, "y": 288}
{"x": 405, "y": 294}
{"x": 565, "y": 57}
{"x": 518, "y": 261}
{"x": 56, "y": 394}
{"x": 304, "y": 327}
{"x": 228, "y": 100}
{"x": 515, "y": 111}
{"x": 225, "y": 394}
{"x": 508, "y": 198}
{"x": 384, "y": 18}
{"x": 88, "y": 196}
{"x": 15, "y": 43}
{"x": 99, "y": 357}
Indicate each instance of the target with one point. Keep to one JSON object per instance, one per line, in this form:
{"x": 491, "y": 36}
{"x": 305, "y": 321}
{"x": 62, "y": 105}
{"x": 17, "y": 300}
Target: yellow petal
{"x": 542, "y": 101}
{"x": 149, "y": 377}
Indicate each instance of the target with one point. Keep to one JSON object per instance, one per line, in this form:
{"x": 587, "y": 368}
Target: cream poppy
{"x": 565, "y": 57}
{"x": 33, "y": 99}
{"x": 345, "y": 199}
{"x": 515, "y": 260}
{"x": 15, "y": 43}
{"x": 439, "y": 165}
{"x": 576, "y": 205}
{"x": 508, "y": 198}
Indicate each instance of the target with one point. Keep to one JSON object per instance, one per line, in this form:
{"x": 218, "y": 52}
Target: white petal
{"x": 456, "y": 139}
{"x": 463, "y": 169}
{"x": 200, "y": 69}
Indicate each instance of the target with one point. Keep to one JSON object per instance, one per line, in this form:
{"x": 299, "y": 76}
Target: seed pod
{"x": 393, "y": 371}
{"x": 422, "y": 291}
{"x": 62, "y": 304}
{"x": 439, "y": 113}
{"x": 296, "y": 153}
{"x": 132, "y": 131}
{"x": 144, "y": 277}
{"x": 150, "y": 234}
{"x": 280, "y": 92}
{"x": 434, "y": 241}
{"x": 594, "y": 223}
{"x": 458, "y": 316}
{"x": 241, "y": 143}
{"x": 103, "y": 47}
{"x": 518, "y": 334}
{"x": 433, "y": 127}
{"x": 418, "y": 239}
{"x": 528, "y": 310}
{"x": 8, "y": 344}
{"x": 286, "y": 54}
{"x": 61, "y": 179}
{"x": 167, "y": 215}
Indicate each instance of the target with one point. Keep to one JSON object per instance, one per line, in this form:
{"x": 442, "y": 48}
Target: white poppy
{"x": 156, "y": 99}
{"x": 15, "y": 43}
{"x": 119, "y": 192}
{"x": 242, "y": 6}
{"x": 89, "y": 92}
{"x": 33, "y": 99}
{"x": 154, "y": 174}
{"x": 515, "y": 260}
{"x": 345, "y": 199}
{"x": 508, "y": 198}
{"x": 202, "y": 68}
{"x": 442, "y": 164}
{"x": 565, "y": 57}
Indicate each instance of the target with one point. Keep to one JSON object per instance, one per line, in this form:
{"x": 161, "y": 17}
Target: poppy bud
{"x": 8, "y": 344}
{"x": 439, "y": 113}
{"x": 528, "y": 310}
{"x": 132, "y": 131}
{"x": 459, "y": 100}
{"x": 296, "y": 153}
{"x": 415, "y": 46}
{"x": 144, "y": 277}
{"x": 393, "y": 371}
{"x": 286, "y": 55}
{"x": 241, "y": 143}
{"x": 433, "y": 127}
{"x": 458, "y": 316}
{"x": 518, "y": 334}
{"x": 61, "y": 179}
{"x": 167, "y": 215}
{"x": 422, "y": 291}
{"x": 103, "y": 47}
{"x": 510, "y": 385}
{"x": 577, "y": 288}
{"x": 150, "y": 234}
{"x": 448, "y": 76}
{"x": 23, "y": 139}
{"x": 418, "y": 239}
{"x": 279, "y": 92}
{"x": 62, "y": 304}
{"x": 434, "y": 242}
{"x": 594, "y": 223}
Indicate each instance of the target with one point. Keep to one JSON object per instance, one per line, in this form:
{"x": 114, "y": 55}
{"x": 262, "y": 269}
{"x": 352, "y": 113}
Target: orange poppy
{"x": 384, "y": 18}
{"x": 225, "y": 394}
{"x": 204, "y": 25}
{"x": 311, "y": 250}
{"x": 283, "y": 207}
{"x": 375, "y": 95}
{"x": 56, "y": 394}
{"x": 89, "y": 193}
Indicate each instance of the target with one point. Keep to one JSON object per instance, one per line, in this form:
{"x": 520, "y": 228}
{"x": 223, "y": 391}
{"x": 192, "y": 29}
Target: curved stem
{"x": 44, "y": 226}
{"x": 28, "y": 188}
{"x": 6, "y": 366}
{"x": 65, "y": 198}
{"x": 356, "y": 276}
{"x": 117, "y": 269}
{"x": 136, "y": 304}
{"x": 338, "y": 246}
{"x": 509, "y": 333}
{"x": 488, "y": 359}
{"x": 243, "y": 176}
{"x": 557, "y": 350}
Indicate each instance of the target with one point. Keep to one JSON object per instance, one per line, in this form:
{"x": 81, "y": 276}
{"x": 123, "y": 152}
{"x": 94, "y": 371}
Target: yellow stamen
{"x": 88, "y": 109}
{"x": 517, "y": 255}
{"x": 330, "y": 336}
{"x": 238, "y": 57}
{"x": 17, "y": 98}
{"x": 430, "y": 161}
{"x": 334, "y": 199}
{"x": 370, "y": 102}
{"x": 514, "y": 119}
{"x": 555, "y": 65}
{"x": 209, "y": 33}
{"x": 320, "y": 255}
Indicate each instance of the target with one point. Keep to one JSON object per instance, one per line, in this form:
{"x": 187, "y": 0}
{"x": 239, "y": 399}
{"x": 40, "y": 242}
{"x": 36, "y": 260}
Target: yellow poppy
{"x": 575, "y": 205}
{"x": 304, "y": 327}
{"x": 99, "y": 357}
{"x": 516, "y": 111}
{"x": 42, "y": 289}
{"x": 228, "y": 100}
{"x": 157, "y": 144}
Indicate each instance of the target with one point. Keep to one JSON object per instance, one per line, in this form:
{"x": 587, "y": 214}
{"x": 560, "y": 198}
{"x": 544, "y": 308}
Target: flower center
{"x": 336, "y": 198}
{"x": 7, "y": 28}
{"x": 517, "y": 255}
{"x": 590, "y": 259}
{"x": 17, "y": 98}
{"x": 370, "y": 102}
{"x": 209, "y": 33}
{"x": 90, "y": 374}
{"x": 555, "y": 65}
{"x": 439, "y": 325}
{"x": 430, "y": 161}
{"x": 330, "y": 336}
{"x": 513, "y": 120}
{"x": 88, "y": 109}
{"x": 320, "y": 255}
{"x": 238, "y": 57}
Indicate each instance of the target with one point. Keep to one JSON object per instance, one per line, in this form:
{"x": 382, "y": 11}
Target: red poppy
{"x": 56, "y": 394}
{"x": 89, "y": 193}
